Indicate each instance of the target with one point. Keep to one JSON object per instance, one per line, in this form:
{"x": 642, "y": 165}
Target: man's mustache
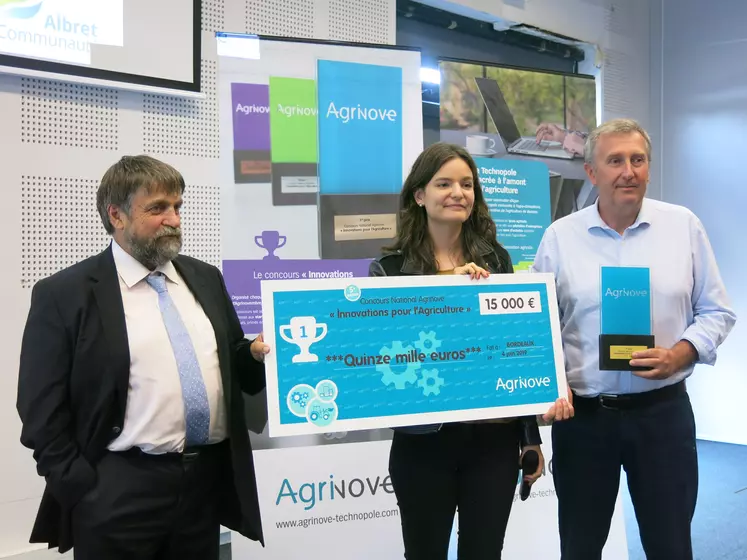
{"x": 168, "y": 231}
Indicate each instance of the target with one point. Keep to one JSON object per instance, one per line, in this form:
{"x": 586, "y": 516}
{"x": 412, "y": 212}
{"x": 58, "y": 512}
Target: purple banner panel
{"x": 243, "y": 279}
{"x": 251, "y": 133}
{"x": 251, "y": 116}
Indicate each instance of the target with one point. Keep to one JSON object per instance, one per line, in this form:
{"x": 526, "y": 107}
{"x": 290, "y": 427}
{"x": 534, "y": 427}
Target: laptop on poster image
{"x": 504, "y": 122}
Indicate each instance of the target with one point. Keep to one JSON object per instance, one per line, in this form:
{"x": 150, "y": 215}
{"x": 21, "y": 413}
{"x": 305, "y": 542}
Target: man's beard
{"x": 157, "y": 250}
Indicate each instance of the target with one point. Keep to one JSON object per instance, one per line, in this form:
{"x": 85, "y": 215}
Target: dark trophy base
{"x": 615, "y": 350}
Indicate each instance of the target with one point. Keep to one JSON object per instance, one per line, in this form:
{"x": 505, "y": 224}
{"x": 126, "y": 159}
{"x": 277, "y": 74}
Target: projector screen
{"x": 148, "y": 45}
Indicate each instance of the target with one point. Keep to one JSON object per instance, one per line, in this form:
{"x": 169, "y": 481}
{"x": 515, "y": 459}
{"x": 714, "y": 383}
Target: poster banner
{"x": 340, "y": 498}
{"x": 518, "y": 196}
{"x": 270, "y": 217}
{"x": 513, "y": 114}
{"x": 334, "y": 502}
{"x": 293, "y": 137}
{"x": 293, "y": 118}
{"x": 394, "y": 351}
{"x": 274, "y": 137}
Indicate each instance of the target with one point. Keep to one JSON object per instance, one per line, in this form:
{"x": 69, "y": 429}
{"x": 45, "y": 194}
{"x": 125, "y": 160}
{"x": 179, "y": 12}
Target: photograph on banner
{"x": 393, "y": 351}
{"x": 517, "y": 193}
{"x": 269, "y": 129}
{"x": 503, "y": 112}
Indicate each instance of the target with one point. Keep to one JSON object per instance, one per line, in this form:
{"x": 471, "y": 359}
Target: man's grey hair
{"x": 123, "y": 179}
{"x": 615, "y": 126}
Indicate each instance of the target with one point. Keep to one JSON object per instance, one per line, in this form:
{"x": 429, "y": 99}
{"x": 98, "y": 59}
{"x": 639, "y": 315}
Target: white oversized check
{"x": 363, "y": 353}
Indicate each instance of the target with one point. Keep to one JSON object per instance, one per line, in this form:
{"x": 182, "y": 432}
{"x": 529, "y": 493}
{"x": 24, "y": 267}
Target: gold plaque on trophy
{"x": 618, "y": 352}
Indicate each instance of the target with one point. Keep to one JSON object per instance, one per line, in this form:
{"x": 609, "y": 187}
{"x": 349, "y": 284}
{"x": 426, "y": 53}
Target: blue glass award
{"x": 625, "y": 316}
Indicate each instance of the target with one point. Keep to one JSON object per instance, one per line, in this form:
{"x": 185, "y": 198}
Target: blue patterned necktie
{"x": 196, "y": 405}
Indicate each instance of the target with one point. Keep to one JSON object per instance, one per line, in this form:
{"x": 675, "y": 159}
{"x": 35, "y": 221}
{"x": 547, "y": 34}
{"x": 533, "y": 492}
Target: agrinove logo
{"x": 311, "y": 493}
{"x": 625, "y": 293}
{"x": 20, "y": 9}
{"x": 296, "y": 110}
{"x": 249, "y": 109}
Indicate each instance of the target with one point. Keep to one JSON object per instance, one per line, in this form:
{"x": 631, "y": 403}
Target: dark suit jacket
{"x": 74, "y": 378}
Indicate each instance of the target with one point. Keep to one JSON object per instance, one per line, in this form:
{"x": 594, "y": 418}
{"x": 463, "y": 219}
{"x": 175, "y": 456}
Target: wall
{"x": 704, "y": 117}
{"x": 57, "y": 140}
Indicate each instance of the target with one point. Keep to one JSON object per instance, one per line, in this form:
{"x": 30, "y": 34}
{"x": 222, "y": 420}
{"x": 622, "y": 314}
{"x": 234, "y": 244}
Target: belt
{"x": 629, "y": 401}
{"x": 190, "y": 453}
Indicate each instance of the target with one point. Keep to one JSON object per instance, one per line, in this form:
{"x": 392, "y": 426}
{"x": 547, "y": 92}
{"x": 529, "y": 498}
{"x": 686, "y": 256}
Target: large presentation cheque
{"x": 363, "y": 353}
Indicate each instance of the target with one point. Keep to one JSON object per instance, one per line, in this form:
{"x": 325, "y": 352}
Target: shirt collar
{"x": 644, "y": 217}
{"x": 132, "y": 271}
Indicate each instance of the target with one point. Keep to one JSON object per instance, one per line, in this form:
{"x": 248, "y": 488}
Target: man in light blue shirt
{"x": 640, "y": 420}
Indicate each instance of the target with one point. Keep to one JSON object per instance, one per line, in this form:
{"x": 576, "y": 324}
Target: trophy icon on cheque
{"x": 270, "y": 241}
{"x": 303, "y": 333}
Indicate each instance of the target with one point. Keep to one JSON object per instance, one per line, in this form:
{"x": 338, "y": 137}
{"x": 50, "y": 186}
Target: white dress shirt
{"x": 689, "y": 301}
{"x": 154, "y": 418}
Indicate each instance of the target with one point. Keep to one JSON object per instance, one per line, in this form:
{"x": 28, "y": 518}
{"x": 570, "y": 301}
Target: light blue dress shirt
{"x": 689, "y": 301}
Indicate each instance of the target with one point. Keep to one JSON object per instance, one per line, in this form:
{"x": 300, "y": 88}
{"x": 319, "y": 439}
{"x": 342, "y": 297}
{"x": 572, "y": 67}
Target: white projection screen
{"x": 145, "y": 45}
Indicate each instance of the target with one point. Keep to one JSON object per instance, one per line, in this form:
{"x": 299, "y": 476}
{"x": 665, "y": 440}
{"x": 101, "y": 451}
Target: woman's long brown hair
{"x": 413, "y": 239}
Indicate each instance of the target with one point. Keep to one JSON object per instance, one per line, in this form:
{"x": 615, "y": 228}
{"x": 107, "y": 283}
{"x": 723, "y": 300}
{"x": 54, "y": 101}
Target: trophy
{"x": 303, "y": 333}
{"x": 270, "y": 241}
{"x": 625, "y": 317}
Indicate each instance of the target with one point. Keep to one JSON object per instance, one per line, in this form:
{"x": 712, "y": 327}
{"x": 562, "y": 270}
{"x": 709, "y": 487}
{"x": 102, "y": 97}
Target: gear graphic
{"x": 300, "y": 398}
{"x": 430, "y": 382}
{"x": 427, "y": 342}
{"x": 388, "y": 376}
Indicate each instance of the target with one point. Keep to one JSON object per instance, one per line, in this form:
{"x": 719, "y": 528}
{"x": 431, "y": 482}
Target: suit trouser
{"x": 655, "y": 444}
{"x": 147, "y": 507}
{"x": 472, "y": 467}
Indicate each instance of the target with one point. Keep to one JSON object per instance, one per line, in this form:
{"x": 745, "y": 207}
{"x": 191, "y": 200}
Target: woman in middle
{"x": 446, "y": 228}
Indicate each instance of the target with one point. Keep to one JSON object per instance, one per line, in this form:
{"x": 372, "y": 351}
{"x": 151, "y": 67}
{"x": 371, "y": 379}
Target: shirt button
{"x": 116, "y": 429}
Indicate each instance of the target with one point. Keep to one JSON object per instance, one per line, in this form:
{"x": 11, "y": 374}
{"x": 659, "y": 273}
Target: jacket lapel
{"x": 108, "y": 297}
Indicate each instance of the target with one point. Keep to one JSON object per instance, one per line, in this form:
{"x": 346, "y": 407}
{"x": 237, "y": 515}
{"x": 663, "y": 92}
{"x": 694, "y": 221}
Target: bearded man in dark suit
{"x": 132, "y": 366}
